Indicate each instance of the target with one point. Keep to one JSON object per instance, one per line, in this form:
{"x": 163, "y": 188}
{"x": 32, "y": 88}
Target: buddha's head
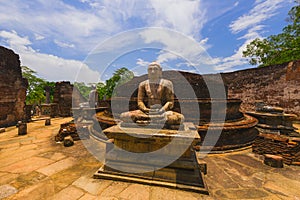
{"x": 154, "y": 71}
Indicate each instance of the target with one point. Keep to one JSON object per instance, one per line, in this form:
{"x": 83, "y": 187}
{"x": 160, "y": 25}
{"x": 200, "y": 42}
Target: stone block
{"x": 48, "y": 122}
{"x": 296, "y": 139}
{"x": 273, "y": 161}
{"x": 68, "y": 141}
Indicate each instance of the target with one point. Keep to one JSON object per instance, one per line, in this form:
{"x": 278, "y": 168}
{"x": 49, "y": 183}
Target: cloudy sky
{"x": 86, "y": 40}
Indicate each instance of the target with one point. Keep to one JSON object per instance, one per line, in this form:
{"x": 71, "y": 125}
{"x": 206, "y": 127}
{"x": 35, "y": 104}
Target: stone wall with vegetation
{"x": 277, "y": 85}
{"x": 12, "y": 88}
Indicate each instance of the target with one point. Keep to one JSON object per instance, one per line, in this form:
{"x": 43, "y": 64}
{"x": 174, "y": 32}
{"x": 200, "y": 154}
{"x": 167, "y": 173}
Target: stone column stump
{"x": 22, "y": 128}
{"x": 48, "y": 122}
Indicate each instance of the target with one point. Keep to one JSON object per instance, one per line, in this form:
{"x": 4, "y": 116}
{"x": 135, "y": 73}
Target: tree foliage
{"x": 83, "y": 88}
{"x": 106, "y": 90}
{"x": 36, "y": 87}
{"x": 120, "y": 77}
{"x": 277, "y": 49}
{"x": 35, "y": 90}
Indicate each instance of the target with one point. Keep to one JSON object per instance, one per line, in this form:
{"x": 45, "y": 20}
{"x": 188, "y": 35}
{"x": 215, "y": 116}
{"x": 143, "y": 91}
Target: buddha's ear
{"x": 160, "y": 72}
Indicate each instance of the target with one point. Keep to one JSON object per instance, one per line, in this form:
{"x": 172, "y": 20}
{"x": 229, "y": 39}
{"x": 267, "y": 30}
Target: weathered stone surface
{"x": 276, "y": 85}
{"x": 12, "y": 88}
{"x": 91, "y": 185}
{"x": 7, "y": 190}
{"x": 136, "y": 192}
{"x": 227, "y": 175}
{"x": 58, "y": 166}
{"x": 28, "y": 179}
{"x": 27, "y": 165}
{"x": 242, "y": 194}
{"x": 66, "y": 96}
{"x": 88, "y": 197}
{"x": 273, "y": 161}
{"x": 70, "y": 192}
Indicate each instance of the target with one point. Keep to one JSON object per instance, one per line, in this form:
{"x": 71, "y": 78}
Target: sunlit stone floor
{"x": 35, "y": 167}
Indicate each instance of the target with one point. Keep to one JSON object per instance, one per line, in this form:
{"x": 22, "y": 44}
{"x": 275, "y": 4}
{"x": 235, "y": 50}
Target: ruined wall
{"x": 286, "y": 147}
{"x": 183, "y": 83}
{"x": 12, "y": 88}
{"x": 277, "y": 85}
{"x": 66, "y": 96}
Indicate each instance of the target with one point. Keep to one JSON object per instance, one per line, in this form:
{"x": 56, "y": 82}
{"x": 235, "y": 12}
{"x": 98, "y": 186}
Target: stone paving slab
{"x": 35, "y": 167}
{"x": 28, "y": 165}
{"x": 57, "y": 166}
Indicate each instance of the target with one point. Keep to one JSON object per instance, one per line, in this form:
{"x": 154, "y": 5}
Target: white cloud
{"x": 63, "y": 44}
{"x": 60, "y": 21}
{"x": 252, "y": 23}
{"x": 187, "y": 17}
{"x": 262, "y": 10}
{"x": 176, "y": 46}
{"x": 14, "y": 41}
{"x": 38, "y": 36}
{"x": 49, "y": 67}
{"x": 142, "y": 63}
{"x": 82, "y": 29}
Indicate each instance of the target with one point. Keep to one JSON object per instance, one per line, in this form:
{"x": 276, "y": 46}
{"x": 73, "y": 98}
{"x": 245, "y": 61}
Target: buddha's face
{"x": 154, "y": 72}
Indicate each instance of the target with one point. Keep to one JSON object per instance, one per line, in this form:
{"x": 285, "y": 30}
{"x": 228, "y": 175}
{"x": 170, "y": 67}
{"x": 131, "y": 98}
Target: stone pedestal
{"x": 154, "y": 156}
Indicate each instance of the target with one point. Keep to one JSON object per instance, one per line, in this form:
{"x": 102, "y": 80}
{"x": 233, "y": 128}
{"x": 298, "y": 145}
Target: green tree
{"x": 277, "y": 49}
{"x": 50, "y": 84}
{"x": 83, "y": 88}
{"x": 101, "y": 89}
{"x": 120, "y": 77}
{"x": 35, "y": 91}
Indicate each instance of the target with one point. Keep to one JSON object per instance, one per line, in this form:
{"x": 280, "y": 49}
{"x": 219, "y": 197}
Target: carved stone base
{"x": 129, "y": 160}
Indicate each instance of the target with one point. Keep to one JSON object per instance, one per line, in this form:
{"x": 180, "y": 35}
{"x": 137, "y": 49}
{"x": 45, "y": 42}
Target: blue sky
{"x": 86, "y": 40}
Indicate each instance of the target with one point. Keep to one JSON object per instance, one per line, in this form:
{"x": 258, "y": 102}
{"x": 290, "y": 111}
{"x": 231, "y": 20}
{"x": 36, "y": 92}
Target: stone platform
{"x": 160, "y": 157}
{"x": 34, "y": 167}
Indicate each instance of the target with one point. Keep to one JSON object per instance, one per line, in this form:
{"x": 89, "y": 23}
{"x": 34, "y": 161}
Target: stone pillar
{"x": 47, "y": 91}
{"x": 22, "y": 128}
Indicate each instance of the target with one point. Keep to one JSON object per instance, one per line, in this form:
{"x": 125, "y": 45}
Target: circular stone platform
{"x": 236, "y": 132}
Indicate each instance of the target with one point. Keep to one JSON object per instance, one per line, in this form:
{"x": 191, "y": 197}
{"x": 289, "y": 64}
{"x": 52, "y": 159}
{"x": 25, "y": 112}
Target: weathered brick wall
{"x": 186, "y": 85}
{"x": 64, "y": 94}
{"x": 286, "y": 147}
{"x": 277, "y": 85}
{"x": 12, "y": 88}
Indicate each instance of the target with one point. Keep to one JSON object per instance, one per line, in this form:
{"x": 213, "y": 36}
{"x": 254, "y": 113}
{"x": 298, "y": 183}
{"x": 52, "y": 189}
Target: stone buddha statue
{"x": 155, "y": 101}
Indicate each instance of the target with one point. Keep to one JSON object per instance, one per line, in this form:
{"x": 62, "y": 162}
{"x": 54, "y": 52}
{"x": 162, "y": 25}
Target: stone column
{"x": 22, "y": 128}
{"x": 47, "y": 90}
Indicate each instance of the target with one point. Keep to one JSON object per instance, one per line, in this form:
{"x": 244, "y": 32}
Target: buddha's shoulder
{"x": 143, "y": 83}
{"x": 166, "y": 82}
